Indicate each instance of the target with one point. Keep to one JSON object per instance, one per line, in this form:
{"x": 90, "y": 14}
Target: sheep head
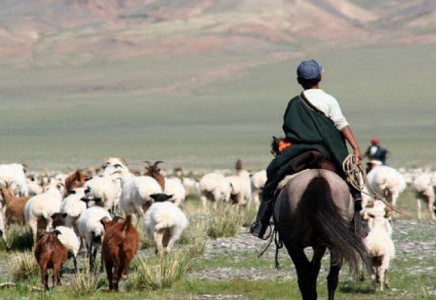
{"x": 161, "y": 197}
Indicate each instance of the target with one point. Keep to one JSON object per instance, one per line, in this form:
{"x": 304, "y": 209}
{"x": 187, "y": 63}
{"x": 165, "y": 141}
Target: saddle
{"x": 305, "y": 161}
{"x": 310, "y": 160}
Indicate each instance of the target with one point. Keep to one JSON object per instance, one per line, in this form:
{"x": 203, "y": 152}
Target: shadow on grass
{"x": 352, "y": 287}
{"x": 20, "y": 238}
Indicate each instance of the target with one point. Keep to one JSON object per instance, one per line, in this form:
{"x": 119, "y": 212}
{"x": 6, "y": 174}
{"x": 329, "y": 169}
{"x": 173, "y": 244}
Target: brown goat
{"x": 75, "y": 180}
{"x": 14, "y": 213}
{"x": 50, "y": 253}
{"x": 58, "y": 219}
{"x": 154, "y": 171}
{"x": 120, "y": 244}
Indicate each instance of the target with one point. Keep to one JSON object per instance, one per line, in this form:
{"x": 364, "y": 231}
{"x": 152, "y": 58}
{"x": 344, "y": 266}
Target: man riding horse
{"x": 315, "y": 133}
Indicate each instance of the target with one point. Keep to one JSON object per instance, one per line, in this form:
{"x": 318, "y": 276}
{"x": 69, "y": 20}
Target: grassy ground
{"x": 411, "y": 273}
{"x": 177, "y": 110}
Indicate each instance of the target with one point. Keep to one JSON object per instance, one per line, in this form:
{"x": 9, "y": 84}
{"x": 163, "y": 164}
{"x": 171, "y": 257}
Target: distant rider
{"x": 376, "y": 152}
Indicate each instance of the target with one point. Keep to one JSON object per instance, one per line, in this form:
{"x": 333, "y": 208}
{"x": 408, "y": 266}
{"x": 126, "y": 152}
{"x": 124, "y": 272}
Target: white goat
{"x": 39, "y": 208}
{"x": 73, "y": 206}
{"x": 258, "y": 181}
{"x": 136, "y": 191}
{"x": 103, "y": 191}
{"x": 424, "y": 187}
{"x": 33, "y": 187}
{"x": 3, "y": 228}
{"x": 164, "y": 223}
{"x": 70, "y": 240}
{"x": 92, "y": 230}
{"x": 215, "y": 187}
{"x": 15, "y": 176}
{"x": 240, "y": 188}
{"x": 174, "y": 186}
{"x": 192, "y": 186}
{"x": 381, "y": 248}
{"x": 386, "y": 182}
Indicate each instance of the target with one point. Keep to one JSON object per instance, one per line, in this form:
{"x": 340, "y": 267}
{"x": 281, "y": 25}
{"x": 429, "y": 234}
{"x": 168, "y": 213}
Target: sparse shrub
{"x": 249, "y": 214}
{"x": 144, "y": 242}
{"x": 19, "y": 238}
{"x": 158, "y": 272}
{"x": 23, "y": 267}
{"x": 224, "y": 221}
{"x": 86, "y": 282}
{"x": 195, "y": 237}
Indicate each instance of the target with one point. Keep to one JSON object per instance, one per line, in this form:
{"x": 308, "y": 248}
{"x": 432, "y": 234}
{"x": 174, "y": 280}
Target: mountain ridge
{"x": 48, "y": 31}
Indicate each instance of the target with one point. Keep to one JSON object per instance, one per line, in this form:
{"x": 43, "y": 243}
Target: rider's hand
{"x": 358, "y": 154}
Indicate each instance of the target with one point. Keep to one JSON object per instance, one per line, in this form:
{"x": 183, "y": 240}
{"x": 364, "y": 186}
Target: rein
{"x": 278, "y": 243}
{"x": 355, "y": 172}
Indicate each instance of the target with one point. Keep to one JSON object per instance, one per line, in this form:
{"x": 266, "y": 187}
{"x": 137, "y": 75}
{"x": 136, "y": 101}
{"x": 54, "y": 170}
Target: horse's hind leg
{"x": 318, "y": 253}
{"x": 333, "y": 277}
{"x": 304, "y": 268}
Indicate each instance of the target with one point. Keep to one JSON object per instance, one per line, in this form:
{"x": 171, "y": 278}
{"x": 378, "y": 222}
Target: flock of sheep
{"x": 69, "y": 208}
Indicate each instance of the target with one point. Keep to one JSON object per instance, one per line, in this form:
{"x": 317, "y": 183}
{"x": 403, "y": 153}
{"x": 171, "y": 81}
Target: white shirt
{"x": 328, "y": 105}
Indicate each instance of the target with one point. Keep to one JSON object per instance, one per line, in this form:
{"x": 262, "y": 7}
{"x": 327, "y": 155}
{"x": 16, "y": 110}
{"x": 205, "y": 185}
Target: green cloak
{"x": 307, "y": 129}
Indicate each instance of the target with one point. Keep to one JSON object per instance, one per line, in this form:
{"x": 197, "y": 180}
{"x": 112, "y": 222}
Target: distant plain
{"x": 177, "y": 110}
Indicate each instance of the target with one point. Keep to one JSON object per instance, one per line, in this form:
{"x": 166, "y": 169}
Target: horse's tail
{"x": 330, "y": 224}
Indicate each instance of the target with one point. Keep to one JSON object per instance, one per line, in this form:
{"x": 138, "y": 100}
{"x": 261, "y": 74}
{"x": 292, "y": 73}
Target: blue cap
{"x": 309, "y": 69}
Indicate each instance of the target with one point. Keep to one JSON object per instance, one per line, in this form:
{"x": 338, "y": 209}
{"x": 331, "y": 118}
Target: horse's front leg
{"x": 333, "y": 277}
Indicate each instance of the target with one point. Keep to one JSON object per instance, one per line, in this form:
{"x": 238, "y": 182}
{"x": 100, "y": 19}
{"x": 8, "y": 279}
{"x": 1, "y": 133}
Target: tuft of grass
{"x": 86, "y": 283}
{"x": 19, "y": 238}
{"x": 158, "y": 272}
{"x": 145, "y": 243}
{"x": 224, "y": 221}
{"x": 249, "y": 214}
{"x": 23, "y": 267}
{"x": 195, "y": 236}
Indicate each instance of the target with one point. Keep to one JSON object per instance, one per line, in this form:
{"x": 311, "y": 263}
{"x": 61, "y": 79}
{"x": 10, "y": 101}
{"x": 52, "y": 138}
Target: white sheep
{"x": 174, "y": 186}
{"x": 192, "y": 186}
{"x": 258, "y": 181}
{"x": 70, "y": 240}
{"x": 73, "y": 206}
{"x": 164, "y": 223}
{"x": 92, "y": 230}
{"x": 240, "y": 188}
{"x": 381, "y": 248}
{"x": 15, "y": 176}
{"x": 39, "y": 208}
{"x": 386, "y": 182}
{"x": 215, "y": 187}
{"x": 424, "y": 187}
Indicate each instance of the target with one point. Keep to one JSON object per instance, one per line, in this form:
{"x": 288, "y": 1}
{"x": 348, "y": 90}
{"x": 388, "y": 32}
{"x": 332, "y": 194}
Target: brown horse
{"x": 315, "y": 209}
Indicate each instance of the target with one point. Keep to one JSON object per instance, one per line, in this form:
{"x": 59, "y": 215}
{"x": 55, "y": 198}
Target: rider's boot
{"x": 357, "y": 219}
{"x": 259, "y": 227}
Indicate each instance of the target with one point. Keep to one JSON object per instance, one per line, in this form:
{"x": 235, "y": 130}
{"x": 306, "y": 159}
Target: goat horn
{"x": 158, "y": 162}
{"x": 147, "y": 162}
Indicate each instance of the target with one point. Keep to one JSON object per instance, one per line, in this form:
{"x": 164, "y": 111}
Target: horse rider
{"x": 315, "y": 132}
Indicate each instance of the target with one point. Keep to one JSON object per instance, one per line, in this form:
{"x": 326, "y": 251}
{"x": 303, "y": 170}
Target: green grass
{"x": 74, "y": 116}
{"x": 410, "y": 276}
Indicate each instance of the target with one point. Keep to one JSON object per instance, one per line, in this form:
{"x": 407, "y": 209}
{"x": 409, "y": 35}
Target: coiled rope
{"x": 356, "y": 176}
